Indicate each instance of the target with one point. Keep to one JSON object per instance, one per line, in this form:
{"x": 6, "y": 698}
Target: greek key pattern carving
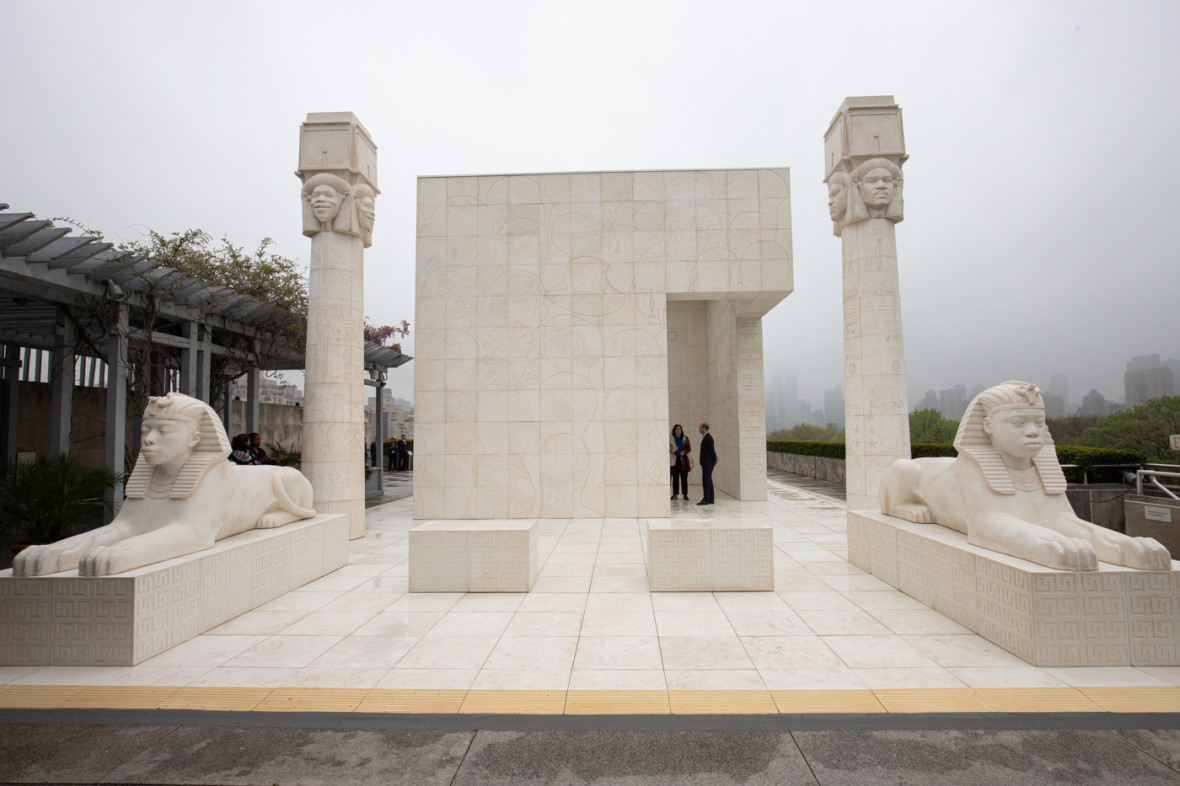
{"x": 1119, "y": 617}
{"x": 125, "y": 619}
{"x": 729, "y": 559}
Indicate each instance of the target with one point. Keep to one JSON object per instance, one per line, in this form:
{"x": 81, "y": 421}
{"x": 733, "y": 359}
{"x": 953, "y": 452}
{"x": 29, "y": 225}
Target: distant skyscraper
{"x": 929, "y": 401}
{"x": 1054, "y": 405}
{"x": 1094, "y": 403}
{"x": 1059, "y": 386}
{"x": 953, "y": 402}
{"x": 791, "y": 410}
{"x": 834, "y": 406}
{"x": 1143, "y": 362}
{"x": 775, "y": 404}
{"x": 1144, "y": 384}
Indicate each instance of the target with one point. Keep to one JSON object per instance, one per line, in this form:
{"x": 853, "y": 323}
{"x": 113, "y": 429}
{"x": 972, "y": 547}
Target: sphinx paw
{"x": 41, "y": 561}
{"x": 1069, "y": 554}
{"x": 1148, "y": 554}
{"x": 912, "y": 511}
{"x": 100, "y": 561}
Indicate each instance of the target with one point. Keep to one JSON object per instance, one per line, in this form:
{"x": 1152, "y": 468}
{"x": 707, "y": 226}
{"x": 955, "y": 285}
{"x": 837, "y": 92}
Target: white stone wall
{"x": 546, "y": 370}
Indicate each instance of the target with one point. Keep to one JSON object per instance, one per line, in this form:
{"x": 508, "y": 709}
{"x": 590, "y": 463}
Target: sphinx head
{"x": 181, "y": 435}
{"x": 1004, "y": 429}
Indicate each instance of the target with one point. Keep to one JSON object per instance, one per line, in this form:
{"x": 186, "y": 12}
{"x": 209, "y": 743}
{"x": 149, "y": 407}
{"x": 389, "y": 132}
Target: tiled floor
{"x": 590, "y": 636}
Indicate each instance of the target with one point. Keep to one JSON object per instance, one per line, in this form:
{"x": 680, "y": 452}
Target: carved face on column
{"x": 876, "y": 188}
{"x": 876, "y": 191}
{"x": 325, "y": 203}
{"x": 364, "y": 200}
{"x": 837, "y": 195}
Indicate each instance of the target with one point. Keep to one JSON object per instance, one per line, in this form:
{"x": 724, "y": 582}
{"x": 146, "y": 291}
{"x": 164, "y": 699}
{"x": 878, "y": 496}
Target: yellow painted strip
{"x": 515, "y": 702}
{"x": 721, "y": 702}
{"x": 312, "y": 700}
{"x": 616, "y": 702}
{"x": 118, "y": 697}
{"x": 509, "y": 702}
{"x": 1136, "y": 699}
{"x": 806, "y": 702}
{"x": 222, "y": 699}
{"x": 37, "y": 696}
{"x": 932, "y": 700}
{"x": 413, "y": 701}
{"x": 1037, "y": 700}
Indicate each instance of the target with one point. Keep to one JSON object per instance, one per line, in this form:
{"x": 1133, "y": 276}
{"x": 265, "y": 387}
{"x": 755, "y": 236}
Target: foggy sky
{"x": 1041, "y": 190}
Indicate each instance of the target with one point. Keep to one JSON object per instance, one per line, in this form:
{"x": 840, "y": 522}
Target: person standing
{"x": 708, "y": 461}
{"x": 403, "y": 454}
{"x": 679, "y": 463}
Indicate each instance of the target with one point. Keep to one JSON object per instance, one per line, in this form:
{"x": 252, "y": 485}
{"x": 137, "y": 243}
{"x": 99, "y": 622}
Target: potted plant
{"x": 52, "y": 497}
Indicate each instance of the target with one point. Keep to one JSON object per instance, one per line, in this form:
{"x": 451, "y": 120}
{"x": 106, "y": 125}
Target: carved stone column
{"x": 865, "y": 149}
{"x": 338, "y": 167}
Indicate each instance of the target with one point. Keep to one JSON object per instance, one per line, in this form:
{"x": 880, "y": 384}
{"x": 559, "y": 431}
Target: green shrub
{"x": 824, "y": 449}
{"x": 932, "y": 450}
{"x": 52, "y": 497}
{"x": 1087, "y": 459}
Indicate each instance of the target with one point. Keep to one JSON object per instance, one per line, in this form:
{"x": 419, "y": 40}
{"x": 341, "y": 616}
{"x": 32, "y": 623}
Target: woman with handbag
{"x": 678, "y": 461}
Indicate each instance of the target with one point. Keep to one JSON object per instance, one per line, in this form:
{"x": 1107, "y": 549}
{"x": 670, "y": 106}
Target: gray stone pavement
{"x": 308, "y": 750}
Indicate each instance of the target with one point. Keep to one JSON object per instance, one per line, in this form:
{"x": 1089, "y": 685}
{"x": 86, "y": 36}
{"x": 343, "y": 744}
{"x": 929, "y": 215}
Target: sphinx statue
{"x": 1006, "y": 491}
{"x": 182, "y": 496}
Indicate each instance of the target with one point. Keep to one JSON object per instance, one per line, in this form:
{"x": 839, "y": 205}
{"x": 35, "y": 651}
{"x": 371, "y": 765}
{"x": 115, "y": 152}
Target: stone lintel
{"x": 864, "y": 127}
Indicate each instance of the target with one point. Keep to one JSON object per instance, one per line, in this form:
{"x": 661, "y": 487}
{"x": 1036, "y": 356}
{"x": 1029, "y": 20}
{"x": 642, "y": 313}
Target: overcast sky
{"x": 1041, "y": 194}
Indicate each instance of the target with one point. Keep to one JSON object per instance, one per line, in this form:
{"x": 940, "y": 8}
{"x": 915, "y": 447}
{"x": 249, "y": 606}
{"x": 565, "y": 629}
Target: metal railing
{"x": 1086, "y": 471}
{"x": 1153, "y": 476}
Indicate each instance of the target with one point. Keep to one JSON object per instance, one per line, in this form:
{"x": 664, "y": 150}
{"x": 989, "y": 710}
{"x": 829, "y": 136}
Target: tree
{"x": 1067, "y": 429}
{"x": 928, "y": 427}
{"x": 1144, "y": 429}
{"x": 806, "y": 432}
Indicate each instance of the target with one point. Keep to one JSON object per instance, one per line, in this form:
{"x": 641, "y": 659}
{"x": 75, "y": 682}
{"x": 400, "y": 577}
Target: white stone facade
{"x": 566, "y": 321}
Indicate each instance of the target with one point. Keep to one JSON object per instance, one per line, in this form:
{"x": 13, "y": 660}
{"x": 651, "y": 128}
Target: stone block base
{"x": 1114, "y": 616}
{"x": 474, "y": 555}
{"x": 69, "y": 620}
{"x": 692, "y": 556}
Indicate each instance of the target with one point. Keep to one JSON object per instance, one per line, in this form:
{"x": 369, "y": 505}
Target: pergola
{"x": 76, "y": 296}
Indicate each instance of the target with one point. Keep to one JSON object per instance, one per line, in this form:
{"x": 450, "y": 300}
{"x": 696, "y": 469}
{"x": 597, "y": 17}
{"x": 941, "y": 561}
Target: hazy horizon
{"x": 1039, "y": 194}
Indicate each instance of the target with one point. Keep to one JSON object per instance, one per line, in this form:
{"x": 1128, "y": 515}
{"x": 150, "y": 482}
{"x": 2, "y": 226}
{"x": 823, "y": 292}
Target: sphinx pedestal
{"x": 1114, "y": 616}
{"x": 69, "y": 620}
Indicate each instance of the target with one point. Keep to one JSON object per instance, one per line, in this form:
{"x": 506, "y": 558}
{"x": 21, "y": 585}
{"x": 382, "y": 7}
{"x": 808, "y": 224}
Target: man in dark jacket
{"x": 708, "y": 460}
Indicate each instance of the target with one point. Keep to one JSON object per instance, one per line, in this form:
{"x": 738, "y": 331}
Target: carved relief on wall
{"x": 327, "y": 205}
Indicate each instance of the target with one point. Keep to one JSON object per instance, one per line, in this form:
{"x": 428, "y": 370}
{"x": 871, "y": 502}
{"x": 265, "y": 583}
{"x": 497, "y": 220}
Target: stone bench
{"x": 713, "y": 555}
{"x": 1113, "y": 616}
{"x": 476, "y": 555}
{"x": 69, "y": 620}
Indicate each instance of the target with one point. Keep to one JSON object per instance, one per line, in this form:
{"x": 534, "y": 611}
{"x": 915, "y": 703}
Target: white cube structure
{"x": 566, "y": 321}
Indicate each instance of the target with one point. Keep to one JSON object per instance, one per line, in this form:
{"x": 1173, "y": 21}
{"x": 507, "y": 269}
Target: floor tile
{"x": 703, "y": 652}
